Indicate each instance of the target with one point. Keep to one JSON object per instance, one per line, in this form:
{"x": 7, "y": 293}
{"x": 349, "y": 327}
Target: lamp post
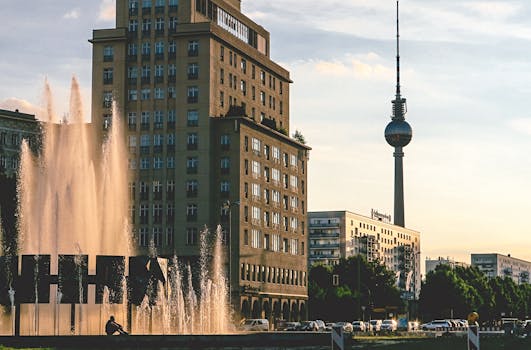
{"x": 227, "y": 205}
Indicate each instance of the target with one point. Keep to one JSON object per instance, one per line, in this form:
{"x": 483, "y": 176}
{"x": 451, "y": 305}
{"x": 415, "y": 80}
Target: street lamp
{"x": 227, "y": 205}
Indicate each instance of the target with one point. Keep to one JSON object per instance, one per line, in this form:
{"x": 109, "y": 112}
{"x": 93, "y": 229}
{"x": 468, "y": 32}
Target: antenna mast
{"x": 397, "y": 54}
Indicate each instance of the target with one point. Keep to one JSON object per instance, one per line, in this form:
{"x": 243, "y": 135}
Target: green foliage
{"x": 8, "y": 210}
{"x": 459, "y": 291}
{"x": 361, "y": 283}
{"x": 299, "y": 137}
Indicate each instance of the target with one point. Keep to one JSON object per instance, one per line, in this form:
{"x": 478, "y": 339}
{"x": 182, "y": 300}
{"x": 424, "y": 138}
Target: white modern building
{"x": 340, "y": 234}
{"x": 431, "y": 264}
{"x": 498, "y": 265}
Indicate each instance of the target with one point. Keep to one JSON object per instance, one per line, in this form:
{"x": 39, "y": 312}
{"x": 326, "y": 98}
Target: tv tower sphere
{"x": 398, "y": 133}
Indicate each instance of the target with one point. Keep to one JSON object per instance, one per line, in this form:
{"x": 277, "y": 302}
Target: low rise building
{"x": 498, "y": 265}
{"x": 431, "y": 264}
{"x": 15, "y": 127}
{"x": 334, "y": 235}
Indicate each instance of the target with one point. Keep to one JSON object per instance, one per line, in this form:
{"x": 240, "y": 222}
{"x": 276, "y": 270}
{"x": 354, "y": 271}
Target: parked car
{"x": 413, "y": 326}
{"x": 257, "y": 324}
{"x": 433, "y": 325}
{"x": 388, "y": 325}
{"x": 308, "y": 326}
{"x": 375, "y": 325}
{"x": 320, "y": 325}
{"x": 291, "y": 326}
{"x": 347, "y": 326}
{"x": 358, "y": 326}
{"x": 328, "y": 326}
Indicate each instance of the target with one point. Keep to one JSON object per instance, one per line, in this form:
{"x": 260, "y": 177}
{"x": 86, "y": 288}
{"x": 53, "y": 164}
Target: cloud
{"x": 23, "y": 106}
{"x": 74, "y": 14}
{"x": 107, "y": 10}
{"x": 501, "y": 10}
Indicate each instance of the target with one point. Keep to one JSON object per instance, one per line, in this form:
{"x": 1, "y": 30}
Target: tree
{"x": 361, "y": 283}
{"x": 299, "y": 137}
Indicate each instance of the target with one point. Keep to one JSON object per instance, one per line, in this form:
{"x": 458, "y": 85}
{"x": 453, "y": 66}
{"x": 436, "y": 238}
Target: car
{"x": 308, "y": 326}
{"x": 375, "y": 325}
{"x": 358, "y": 326}
{"x": 433, "y": 325}
{"x": 347, "y": 326}
{"x": 291, "y": 326}
{"x": 388, "y": 325}
{"x": 328, "y": 326}
{"x": 255, "y": 324}
{"x": 412, "y": 326}
{"x": 320, "y": 325}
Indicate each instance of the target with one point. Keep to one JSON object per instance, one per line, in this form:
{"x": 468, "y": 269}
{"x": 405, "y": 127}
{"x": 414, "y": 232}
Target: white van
{"x": 255, "y": 324}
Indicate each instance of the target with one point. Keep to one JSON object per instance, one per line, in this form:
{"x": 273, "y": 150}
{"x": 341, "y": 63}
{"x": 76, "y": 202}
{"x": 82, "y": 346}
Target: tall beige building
{"x": 207, "y": 125}
{"x": 336, "y": 235}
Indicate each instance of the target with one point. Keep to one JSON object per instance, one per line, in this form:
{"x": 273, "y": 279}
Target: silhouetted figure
{"x": 112, "y": 327}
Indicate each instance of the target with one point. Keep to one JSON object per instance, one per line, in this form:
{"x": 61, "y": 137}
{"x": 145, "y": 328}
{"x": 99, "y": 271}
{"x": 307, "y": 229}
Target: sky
{"x": 465, "y": 71}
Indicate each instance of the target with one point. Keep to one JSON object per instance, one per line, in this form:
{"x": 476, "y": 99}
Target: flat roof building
{"x": 431, "y": 264}
{"x": 206, "y": 113}
{"x": 498, "y": 265}
{"x": 335, "y": 235}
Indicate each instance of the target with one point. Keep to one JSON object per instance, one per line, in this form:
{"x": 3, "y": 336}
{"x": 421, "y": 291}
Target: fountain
{"x": 76, "y": 266}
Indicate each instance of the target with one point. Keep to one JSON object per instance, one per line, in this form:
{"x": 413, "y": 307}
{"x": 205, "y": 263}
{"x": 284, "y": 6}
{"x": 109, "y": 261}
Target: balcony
{"x": 324, "y": 225}
{"x": 107, "y": 81}
{"x": 324, "y": 235}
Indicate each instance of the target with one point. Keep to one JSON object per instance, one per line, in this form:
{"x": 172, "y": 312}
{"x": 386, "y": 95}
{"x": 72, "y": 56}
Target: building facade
{"x": 431, "y": 264}
{"x": 206, "y": 114}
{"x": 15, "y": 127}
{"x": 498, "y": 265}
{"x": 334, "y": 235}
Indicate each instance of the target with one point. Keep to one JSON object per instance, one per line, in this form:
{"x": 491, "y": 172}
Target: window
{"x": 275, "y": 175}
{"x": 256, "y": 169}
{"x": 108, "y": 53}
{"x": 191, "y": 236}
{"x": 159, "y": 93}
{"x": 146, "y": 4}
{"x": 192, "y": 188}
{"x": 192, "y": 164}
{"x": 107, "y": 98}
{"x": 144, "y": 119}
{"x": 172, "y": 48}
{"x": 170, "y": 236}
{"x": 191, "y": 141}
{"x": 193, "y": 94}
{"x": 275, "y": 243}
{"x": 193, "y": 48}
{"x": 224, "y": 141}
{"x": 225, "y": 165}
{"x": 262, "y": 98}
{"x": 192, "y": 117}
{"x": 293, "y": 182}
{"x": 285, "y": 245}
{"x": 262, "y": 77}
{"x": 276, "y": 154}
{"x": 158, "y": 140}
{"x": 132, "y": 49}
{"x": 193, "y": 71}
{"x": 294, "y": 246}
{"x": 293, "y": 160}
{"x": 171, "y": 118}
{"x": 256, "y": 145}
{"x": 144, "y": 163}
{"x": 157, "y": 213}
{"x": 159, "y": 72}
{"x": 132, "y": 72}
{"x": 143, "y": 237}
{"x": 172, "y": 24}
{"x": 256, "y": 215}
{"x": 133, "y": 27}
{"x": 146, "y": 25}
{"x": 243, "y": 87}
{"x": 146, "y": 48}
{"x": 171, "y": 92}
{"x": 170, "y": 162}
{"x": 131, "y": 119}
{"x": 294, "y": 224}
{"x": 221, "y": 99}
{"x": 255, "y": 238}
{"x": 225, "y": 187}
{"x": 191, "y": 212}
{"x": 159, "y": 24}
{"x": 256, "y": 191}
{"x": 243, "y": 66}
{"x": 145, "y": 94}
{"x": 171, "y": 139}
{"x": 159, "y": 49}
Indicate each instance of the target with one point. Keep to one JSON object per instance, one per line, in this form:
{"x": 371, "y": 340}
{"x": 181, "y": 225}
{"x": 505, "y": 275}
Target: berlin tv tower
{"x": 398, "y": 134}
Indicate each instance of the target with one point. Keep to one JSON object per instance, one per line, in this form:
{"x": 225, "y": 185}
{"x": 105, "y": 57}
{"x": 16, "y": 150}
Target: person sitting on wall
{"x": 111, "y": 327}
